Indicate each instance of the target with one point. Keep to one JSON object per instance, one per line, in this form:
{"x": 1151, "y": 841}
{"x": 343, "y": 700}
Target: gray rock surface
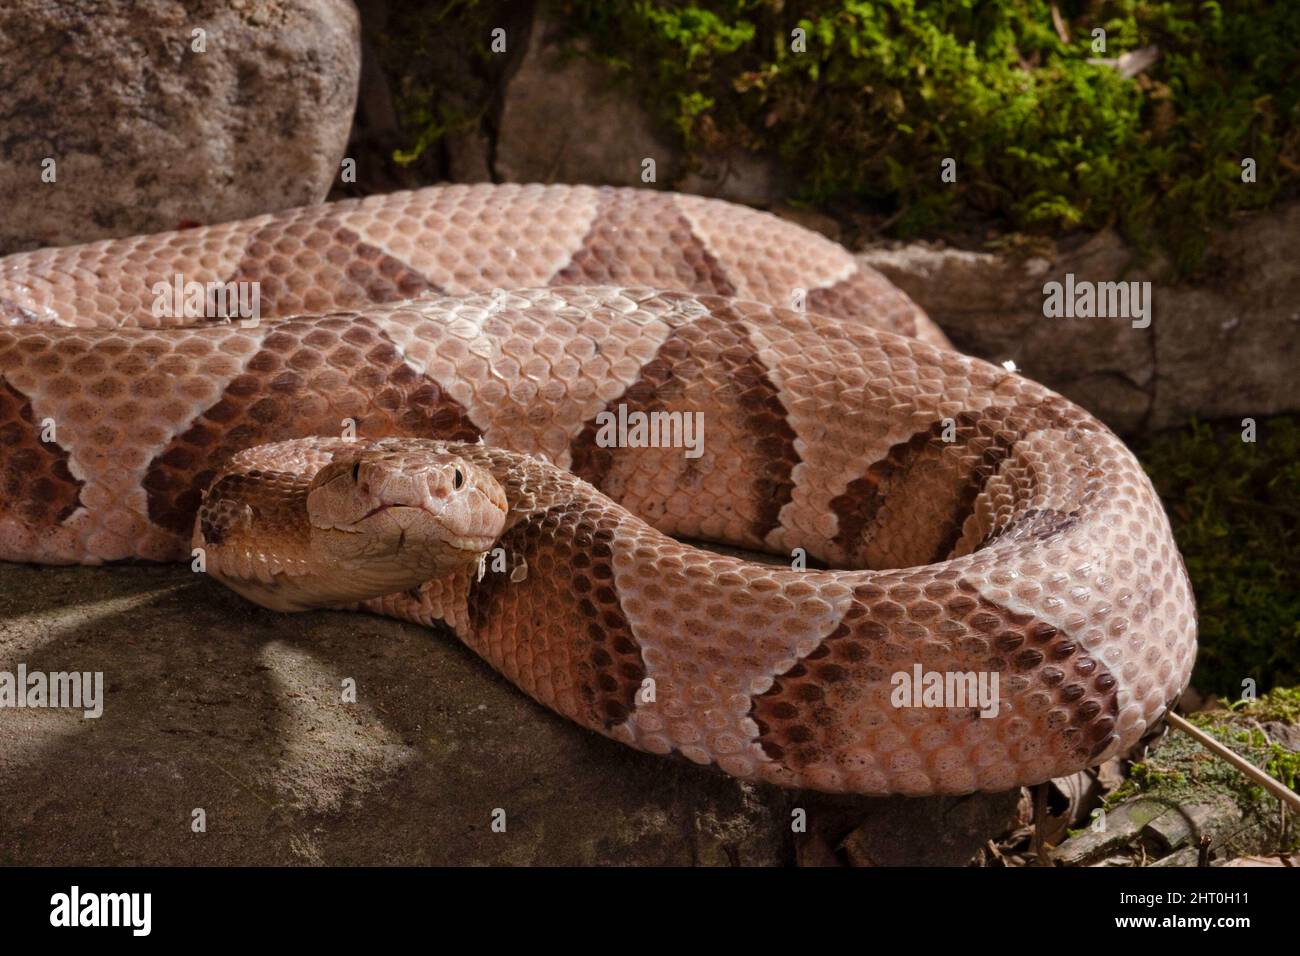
{"x": 566, "y": 119}
{"x": 216, "y": 704}
{"x": 557, "y": 116}
{"x": 739, "y": 176}
{"x": 1225, "y": 344}
{"x": 148, "y": 134}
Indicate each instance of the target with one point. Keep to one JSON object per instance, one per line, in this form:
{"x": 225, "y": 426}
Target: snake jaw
{"x": 406, "y": 517}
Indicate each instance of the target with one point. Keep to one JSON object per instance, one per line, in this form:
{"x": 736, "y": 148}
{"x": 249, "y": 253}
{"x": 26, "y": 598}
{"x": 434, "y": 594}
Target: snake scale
{"x": 478, "y": 340}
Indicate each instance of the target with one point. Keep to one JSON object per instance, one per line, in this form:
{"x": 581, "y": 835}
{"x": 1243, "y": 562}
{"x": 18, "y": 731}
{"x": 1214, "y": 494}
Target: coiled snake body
{"x": 991, "y": 527}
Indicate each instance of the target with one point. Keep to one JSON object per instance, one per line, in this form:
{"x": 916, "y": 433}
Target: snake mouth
{"x": 374, "y": 511}
{"x": 466, "y": 543}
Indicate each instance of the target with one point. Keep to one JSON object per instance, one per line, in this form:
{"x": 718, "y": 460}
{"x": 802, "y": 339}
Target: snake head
{"x": 391, "y": 520}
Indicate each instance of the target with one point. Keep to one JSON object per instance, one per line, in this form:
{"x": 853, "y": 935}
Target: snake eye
{"x": 356, "y": 472}
{"x": 457, "y": 479}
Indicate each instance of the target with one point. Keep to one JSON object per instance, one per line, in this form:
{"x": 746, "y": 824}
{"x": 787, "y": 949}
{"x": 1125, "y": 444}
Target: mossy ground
{"x": 1180, "y": 772}
{"x": 1235, "y": 510}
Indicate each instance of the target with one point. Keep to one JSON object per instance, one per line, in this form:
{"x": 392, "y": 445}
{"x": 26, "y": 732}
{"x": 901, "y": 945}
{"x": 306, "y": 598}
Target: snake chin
{"x": 413, "y": 531}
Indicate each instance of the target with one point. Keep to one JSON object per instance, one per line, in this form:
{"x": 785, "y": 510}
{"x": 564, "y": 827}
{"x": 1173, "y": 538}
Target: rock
{"x": 1187, "y": 856}
{"x": 809, "y": 219}
{"x": 738, "y": 176}
{"x": 991, "y": 306}
{"x": 1287, "y": 735}
{"x": 467, "y": 156}
{"x": 1123, "y": 826}
{"x": 1161, "y": 827}
{"x": 1222, "y": 346}
{"x": 213, "y": 703}
{"x": 1230, "y": 345}
{"x": 1175, "y": 831}
{"x": 148, "y": 134}
{"x": 564, "y": 120}
{"x": 928, "y": 831}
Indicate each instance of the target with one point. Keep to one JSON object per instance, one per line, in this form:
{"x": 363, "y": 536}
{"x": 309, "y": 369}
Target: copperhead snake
{"x": 473, "y": 336}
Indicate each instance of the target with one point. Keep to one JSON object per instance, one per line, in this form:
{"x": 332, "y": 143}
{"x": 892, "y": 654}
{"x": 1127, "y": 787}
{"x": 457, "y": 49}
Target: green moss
{"x": 1146, "y": 778}
{"x": 1182, "y": 772}
{"x": 1280, "y": 704}
{"x": 1043, "y": 139}
{"x": 1235, "y": 511}
{"x": 1239, "y": 725}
